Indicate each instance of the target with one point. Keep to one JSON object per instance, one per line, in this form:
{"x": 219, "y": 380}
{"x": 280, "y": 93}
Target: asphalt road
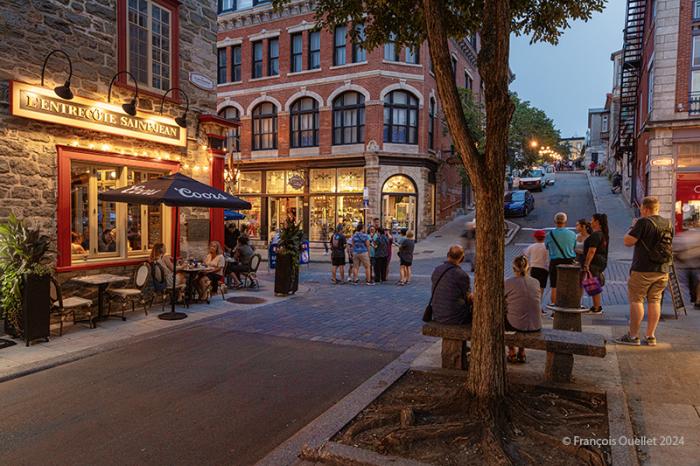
{"x": 205, "y": 395}
{"x": 571, "y": 194}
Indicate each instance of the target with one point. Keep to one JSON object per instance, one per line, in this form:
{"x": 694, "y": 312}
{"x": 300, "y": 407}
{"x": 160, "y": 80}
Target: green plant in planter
{"x": 291, "y": 236}
{"x": 23, "y": 251}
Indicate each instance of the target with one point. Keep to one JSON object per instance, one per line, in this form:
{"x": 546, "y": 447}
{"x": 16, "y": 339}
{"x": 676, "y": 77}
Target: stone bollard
{"x": 558, "y": 366}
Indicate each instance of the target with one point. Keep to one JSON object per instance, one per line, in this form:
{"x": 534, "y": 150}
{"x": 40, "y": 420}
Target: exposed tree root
{"x": 591, "y": 457}
{"x": 372, "y": 422}
{"x": 395, "y": 439}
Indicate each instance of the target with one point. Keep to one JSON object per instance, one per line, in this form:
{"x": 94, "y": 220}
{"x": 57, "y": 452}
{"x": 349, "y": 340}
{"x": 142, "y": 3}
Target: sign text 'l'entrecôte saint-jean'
{"x": 42, "y": 104}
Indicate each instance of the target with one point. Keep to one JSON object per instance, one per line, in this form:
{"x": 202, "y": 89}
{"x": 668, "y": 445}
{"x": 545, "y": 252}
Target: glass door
{"x": 399, "y": 212}
{"x": 281, "y": 208}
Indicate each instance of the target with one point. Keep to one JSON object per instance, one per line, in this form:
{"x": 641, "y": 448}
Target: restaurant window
{"x": 234, "y": 134}
{"x": 391, "y": 51}
{"x": 339, "y": 45}
{"x": 273, "y": 57}
{"x": 322, "y": 180}
{"x": 359, "y": 53}
{"x": 264, "y": 126}
{"x": 314, "y": 50}
{"x": 304, "y": 123}
{"x": 149, "y": 43}
{"x": 257, "y": 59}
{"x": 251, "y": 223}
{"x": 349, "y": 118}
{"x": 412, "y": 55}
{"x": 296, "y": 61}
{"x": 249, "y": 183}
{"x": 236, "y": 63}
{"x": 401, "y": 118}
{"x": 221, "y": 66}
{"x": 431, "y": 124}
{"x": 351, "y": 180}
{"x": 100, "y": 229}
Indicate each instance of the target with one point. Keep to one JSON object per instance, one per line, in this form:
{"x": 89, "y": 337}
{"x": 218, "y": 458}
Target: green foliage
{"x": 530, "y": 124}
{"x": 542, "y": 20}
{"x": 23, "y": 251}
{"x": 291, "y": 236}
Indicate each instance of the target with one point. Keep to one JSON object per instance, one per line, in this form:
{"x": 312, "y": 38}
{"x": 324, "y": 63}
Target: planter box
{"x": 286, "y": 278}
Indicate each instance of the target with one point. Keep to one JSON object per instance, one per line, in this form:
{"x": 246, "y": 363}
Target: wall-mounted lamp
{"x": 130, "y": 107}
{"x": 64, "y": 91}
{"x": 181, "y": 120}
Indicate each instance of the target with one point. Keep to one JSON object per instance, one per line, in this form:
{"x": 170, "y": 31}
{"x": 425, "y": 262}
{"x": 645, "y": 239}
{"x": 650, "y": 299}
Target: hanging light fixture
{"x": 64, "y": 91}
{"x": 130, "y": 107}
{"x": 181, "y": 120}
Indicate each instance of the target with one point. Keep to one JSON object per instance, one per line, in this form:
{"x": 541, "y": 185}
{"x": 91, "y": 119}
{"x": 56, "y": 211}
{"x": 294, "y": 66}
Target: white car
{"x": 550, "y": 175}
{"x": 533, "y": 178}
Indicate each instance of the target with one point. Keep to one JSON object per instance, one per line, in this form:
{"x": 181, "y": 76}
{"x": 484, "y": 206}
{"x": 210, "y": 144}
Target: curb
{"x": 594, "y": 193}
{"x": 319, "y": 431}
{"x": 513, "y": 229}
{"x": 34, "y": 367}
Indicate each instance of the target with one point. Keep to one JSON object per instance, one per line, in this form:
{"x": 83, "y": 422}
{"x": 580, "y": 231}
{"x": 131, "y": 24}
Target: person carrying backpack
{"x": 338, "y": 245}
{"x": 652, "y": 238}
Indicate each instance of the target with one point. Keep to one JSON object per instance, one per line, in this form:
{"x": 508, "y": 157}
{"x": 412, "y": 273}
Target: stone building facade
{"x": 331, "y": 133}
{"x": 57, "y": 153}
{"x": 667, "y": 161}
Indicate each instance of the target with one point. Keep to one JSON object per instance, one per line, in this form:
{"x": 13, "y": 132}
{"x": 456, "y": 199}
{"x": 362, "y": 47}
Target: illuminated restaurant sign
{"x": 43, "y": 104}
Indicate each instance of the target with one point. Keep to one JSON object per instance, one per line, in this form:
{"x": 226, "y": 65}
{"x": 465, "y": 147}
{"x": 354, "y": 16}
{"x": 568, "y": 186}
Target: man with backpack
{"x": 652, "y": 238}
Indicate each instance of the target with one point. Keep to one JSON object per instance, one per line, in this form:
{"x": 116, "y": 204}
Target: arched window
{"x": 233, "y": 140}
{"x": 304, "y": 122}
{"x": 401, "y": 118}
{"x": 349, "y": 118}
{"x": 265, "y": 126}
{"x": 431, "y": 124}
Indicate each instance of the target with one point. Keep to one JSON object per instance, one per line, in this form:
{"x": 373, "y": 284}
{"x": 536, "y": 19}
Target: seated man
{"x": 242, "y": 254}
{"x": 451, "y": 300}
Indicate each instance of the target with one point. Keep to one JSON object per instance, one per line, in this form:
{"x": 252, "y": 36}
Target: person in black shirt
{"x": 595, "y": 255}
{"x": 451, "y": 300}
{"x": 338, "y": 245}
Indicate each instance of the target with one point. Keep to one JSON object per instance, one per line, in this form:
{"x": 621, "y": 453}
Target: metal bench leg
{"x": 454, "y": 354}
{"x": 558, "y": 367}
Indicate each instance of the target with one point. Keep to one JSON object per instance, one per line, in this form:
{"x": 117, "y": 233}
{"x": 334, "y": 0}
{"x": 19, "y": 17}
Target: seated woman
{"x": 215, "y": 259}
{"x": 522, "y": 300}
{"x": 159, "y": 257}
{"x": 76, "y": 246}
{"x": 242, "y": 254}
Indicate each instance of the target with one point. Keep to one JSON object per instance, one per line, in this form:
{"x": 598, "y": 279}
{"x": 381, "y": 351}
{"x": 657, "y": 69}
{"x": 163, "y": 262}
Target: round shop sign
{"x": 201, "y": 81}
{"x": 296, "y": 181}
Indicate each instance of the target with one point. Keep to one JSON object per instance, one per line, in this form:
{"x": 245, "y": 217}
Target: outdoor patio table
{"x": 192, "y": 272}
{"x": 101, "y": 281}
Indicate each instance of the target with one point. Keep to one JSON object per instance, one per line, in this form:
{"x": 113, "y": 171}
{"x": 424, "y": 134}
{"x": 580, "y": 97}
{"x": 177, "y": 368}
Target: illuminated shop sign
{"x": 43, "y": 104}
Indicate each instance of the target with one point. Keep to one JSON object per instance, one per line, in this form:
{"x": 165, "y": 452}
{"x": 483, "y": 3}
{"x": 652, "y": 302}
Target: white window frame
{"x": 149, "y": 41}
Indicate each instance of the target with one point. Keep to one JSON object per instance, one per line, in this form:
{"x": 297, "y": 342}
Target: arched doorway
{"x": 399, "y": 203}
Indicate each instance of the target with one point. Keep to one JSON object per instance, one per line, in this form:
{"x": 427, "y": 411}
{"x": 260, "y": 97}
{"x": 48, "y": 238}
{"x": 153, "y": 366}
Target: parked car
{"x": 550, "y": 175}
{"x": 530, "y": 179}
{"x": 519, "y": 202}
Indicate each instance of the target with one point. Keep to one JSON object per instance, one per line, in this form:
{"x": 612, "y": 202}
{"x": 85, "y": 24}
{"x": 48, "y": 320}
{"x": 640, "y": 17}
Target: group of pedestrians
{"x": 370, "y": 249}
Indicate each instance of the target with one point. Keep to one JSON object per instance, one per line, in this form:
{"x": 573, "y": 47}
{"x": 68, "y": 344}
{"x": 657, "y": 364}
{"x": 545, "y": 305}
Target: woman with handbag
{"x": 595, "y": 260}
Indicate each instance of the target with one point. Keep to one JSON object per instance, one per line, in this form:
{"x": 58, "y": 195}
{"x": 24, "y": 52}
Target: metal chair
{"x": 160, "y": 285}
{"x": 63, "y": 307}
{"x": 250, "y": 278}
{"x": 135, "y": 294}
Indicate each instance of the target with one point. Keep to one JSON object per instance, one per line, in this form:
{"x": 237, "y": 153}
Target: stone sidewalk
{"x": 78, "y": 341}
{"x": 660, "y": 382}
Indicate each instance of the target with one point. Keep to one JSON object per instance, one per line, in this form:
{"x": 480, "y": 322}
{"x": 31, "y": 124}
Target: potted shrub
{"x": 288, "y": 252}
{"x": 25, "y": 274}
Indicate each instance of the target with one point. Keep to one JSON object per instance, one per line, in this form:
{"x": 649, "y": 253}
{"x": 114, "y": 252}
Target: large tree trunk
{"x": 486, "y": 381}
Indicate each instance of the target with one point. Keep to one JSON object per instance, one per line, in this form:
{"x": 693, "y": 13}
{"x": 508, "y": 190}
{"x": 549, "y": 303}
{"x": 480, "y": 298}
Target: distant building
{"x": 614, "y": 164}
{"x": 597, "y": 136}
{"x": 658, "y": 139}
{"x": 576, "y": 146}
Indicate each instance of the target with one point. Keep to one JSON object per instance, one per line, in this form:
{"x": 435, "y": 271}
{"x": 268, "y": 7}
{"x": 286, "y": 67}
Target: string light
{"x": 91, "y": 146}
{"x": 106, "y": 147}
{"x": 75, "y": 143}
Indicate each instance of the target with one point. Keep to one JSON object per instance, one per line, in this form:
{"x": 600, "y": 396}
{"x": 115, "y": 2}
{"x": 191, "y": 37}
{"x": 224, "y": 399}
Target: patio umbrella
{"x": 233, "y": 215}
{"x": 176, "y": 191}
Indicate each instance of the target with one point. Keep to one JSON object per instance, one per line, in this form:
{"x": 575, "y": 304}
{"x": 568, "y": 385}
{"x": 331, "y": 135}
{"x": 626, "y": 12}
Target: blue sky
{"x": 566, "y": 80}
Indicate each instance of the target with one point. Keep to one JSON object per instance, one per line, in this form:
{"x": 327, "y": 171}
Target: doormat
{"x": 246, "y": 300}
{"x": 5, "y": 343}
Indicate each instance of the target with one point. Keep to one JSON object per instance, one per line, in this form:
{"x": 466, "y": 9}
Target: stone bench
{"x": 560, "y": 346}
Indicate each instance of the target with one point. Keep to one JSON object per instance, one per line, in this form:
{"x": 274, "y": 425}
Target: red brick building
{"x": 332, "y": 133}
{"x": 659, "y": 131}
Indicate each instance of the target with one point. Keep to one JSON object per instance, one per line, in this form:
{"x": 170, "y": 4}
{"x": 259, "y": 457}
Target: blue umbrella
{"x": 233, "y": 215}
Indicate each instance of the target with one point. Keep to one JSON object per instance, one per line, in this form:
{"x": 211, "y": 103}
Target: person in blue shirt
{"x": 360, "y": 254}
{"x": 560, "y": 243}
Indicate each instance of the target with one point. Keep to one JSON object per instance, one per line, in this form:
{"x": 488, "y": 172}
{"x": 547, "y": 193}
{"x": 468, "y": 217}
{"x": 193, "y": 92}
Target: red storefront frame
{"x": 687, "y": 189}
{"x": 66, "y": 155}
{"x": 216, "y": 180}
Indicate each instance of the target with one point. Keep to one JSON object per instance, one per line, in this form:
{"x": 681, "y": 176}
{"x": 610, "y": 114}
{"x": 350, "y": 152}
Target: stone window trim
{"x": 66, "y": 156}
{"x": 122, "y": 49}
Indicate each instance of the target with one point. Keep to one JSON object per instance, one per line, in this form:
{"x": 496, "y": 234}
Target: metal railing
{"x": 694, "y": 103}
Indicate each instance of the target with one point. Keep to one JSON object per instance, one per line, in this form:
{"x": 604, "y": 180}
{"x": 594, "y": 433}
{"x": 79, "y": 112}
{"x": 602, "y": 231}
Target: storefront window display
{"x": 399, "y": 204}
{"x": 350, "y": 212}
{"x": 323, "y": 181}
{"x": 321, "y": 217}
{"x": 351, "y": 180}
{"x": 687, "y": 201}
{"x": 275, "y": 182}
{"x": 688, "y": 156}
{"x": 249, "y": 183}
{"x": 252, "y": 217}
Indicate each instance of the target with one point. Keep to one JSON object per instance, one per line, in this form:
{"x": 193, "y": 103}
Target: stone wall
{"x": 87, "y": 31}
